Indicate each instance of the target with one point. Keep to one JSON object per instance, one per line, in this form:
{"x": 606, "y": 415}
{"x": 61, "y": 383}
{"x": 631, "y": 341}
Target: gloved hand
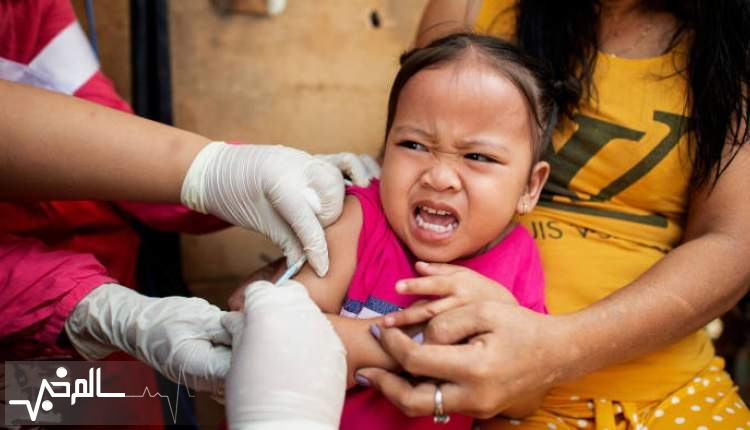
{"x": 170, "y": 334}
{"x": 360, "y": 169}
{"x": 288, "y": 365}
{"x": 283, "y": 193}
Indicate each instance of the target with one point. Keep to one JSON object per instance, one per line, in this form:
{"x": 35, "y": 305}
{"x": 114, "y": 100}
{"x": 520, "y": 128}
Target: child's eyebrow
{"x": 482, "y": 143}
{"x": 415, "y": 130}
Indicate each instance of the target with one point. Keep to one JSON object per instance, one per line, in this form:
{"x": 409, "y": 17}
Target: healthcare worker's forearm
{"x": 693, "y": 284}
{"x": 61, "y": 147}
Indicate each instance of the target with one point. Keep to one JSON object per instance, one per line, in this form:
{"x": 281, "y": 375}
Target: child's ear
{"x": 537, "y": 179}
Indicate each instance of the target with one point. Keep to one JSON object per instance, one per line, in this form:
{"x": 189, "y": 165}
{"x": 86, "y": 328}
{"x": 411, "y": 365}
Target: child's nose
{"x": 442, "y": 176}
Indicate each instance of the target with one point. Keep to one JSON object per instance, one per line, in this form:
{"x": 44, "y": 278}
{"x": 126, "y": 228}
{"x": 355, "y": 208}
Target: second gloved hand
{"x": 283, "y": 193}
{"x": 171, "y": 334}
{"x": 288, "y": 365}
{"x": 359, "y": 169}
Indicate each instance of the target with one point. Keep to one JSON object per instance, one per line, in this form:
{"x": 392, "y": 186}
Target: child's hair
{"x": 530, "y": 76}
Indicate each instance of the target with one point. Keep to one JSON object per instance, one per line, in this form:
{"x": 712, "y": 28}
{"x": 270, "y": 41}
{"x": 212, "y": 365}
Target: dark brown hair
{"x": 531, "y": 77}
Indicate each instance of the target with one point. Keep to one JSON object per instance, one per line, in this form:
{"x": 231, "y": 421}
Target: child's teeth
{"x": 434, "y": 227}
{"x": 435, "y": 211}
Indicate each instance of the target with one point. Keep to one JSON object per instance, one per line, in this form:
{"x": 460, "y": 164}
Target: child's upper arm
{"x": 342, "y": 237}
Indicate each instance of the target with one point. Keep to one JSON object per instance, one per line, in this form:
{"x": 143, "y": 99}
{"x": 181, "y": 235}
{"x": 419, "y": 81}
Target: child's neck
{"x": 503, "y": 234}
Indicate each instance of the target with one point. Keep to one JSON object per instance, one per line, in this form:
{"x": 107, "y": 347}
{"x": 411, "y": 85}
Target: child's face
{"x": 457, "y": 160}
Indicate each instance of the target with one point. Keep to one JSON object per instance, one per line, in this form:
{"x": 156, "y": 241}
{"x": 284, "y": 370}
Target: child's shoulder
{"x": 368, "y": 196}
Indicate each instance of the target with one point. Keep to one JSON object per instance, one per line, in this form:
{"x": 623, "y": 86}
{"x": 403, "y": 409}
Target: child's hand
{"x": 453, "y": 285}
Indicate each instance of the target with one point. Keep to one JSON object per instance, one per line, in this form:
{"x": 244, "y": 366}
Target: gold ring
{"x": 439, "y": 416}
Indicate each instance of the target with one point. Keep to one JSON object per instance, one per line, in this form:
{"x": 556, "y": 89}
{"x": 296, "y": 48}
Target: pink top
{"x": 382, "y": 260}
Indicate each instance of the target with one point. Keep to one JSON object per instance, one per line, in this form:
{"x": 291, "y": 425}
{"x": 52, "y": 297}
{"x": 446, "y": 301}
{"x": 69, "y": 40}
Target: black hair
{"x": 531, "y": 77}
{"x": 564, "y": 34}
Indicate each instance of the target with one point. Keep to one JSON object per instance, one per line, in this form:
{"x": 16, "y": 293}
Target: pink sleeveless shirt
{"x": 382, "y": 260}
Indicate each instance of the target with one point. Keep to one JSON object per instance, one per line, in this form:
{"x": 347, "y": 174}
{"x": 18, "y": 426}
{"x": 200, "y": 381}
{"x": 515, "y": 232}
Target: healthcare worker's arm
{"x": 55, "y": 146}
{"x": 288, "y": 365}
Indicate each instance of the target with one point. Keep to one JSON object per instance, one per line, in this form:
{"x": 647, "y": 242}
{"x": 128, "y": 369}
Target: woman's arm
{"x": 329, "y": 291}
{"x": 443, "y": 17}
{"x": 695, "y": 283}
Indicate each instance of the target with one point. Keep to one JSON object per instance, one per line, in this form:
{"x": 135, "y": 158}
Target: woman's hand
{"x": 510, "y": 351}
{"x": 454, "y": 286}
{"x": 489, "y": 351}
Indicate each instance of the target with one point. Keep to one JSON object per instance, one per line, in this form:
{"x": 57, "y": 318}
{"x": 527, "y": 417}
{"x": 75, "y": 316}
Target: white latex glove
{"x": 170, "y": 334}
{"x": 288, "y": 365}
{"x": 360, "y": 169}
{"x": 282, "y": 193}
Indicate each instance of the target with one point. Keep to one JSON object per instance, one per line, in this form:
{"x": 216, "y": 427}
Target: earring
{"x": 525, "y": 208}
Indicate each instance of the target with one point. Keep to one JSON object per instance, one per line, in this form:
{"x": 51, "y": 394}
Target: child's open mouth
{"x": 435, "y": 220}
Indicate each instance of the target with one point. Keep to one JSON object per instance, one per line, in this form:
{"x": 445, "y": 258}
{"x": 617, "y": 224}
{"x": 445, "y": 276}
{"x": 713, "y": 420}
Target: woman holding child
{"x": 641, "y": 227}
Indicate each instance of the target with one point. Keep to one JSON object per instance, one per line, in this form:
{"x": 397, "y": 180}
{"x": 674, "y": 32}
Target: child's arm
{"x": 328, "y": 292}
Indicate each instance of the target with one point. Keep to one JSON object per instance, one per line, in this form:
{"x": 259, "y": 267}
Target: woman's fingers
{"x": 448, "y": 362}
{"x": 466, "y": 322}
{"x": 419, "y": 313}
{"x": 414, "y": 400}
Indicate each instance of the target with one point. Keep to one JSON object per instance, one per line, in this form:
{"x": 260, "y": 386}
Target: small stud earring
{"x": 525, "y": 208}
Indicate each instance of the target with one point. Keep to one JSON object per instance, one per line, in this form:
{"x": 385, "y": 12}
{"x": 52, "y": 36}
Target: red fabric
{"x": 27, "y": 26}
{"x": 40, "y": 287}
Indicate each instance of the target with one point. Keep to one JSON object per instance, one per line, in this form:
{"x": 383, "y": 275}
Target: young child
{"x": 468, "y": 119}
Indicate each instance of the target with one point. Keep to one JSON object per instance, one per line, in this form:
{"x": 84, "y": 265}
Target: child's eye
{"x": 410, "y": 144}
{"x": 479, "y": 157}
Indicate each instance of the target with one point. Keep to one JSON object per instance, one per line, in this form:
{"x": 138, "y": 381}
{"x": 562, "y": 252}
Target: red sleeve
{"x": 39, "y": 288}
{"x": 99, "y": 89}
{"x": 178, "y": 218}
{"x": 26, "y": 27}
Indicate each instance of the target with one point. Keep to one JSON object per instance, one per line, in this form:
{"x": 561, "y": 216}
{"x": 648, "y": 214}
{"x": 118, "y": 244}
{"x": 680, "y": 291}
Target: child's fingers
{"x": 432, "y": 269}
{"x": 436, "y": 286}
{"x": 412, "y": 315}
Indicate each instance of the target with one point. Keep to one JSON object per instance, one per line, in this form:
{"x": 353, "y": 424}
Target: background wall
{"x": 315, "y": 77}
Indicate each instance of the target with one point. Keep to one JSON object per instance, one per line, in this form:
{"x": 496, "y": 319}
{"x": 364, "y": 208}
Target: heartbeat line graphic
{"x": 85, "y": 388}
{"x": 180, "y": 379}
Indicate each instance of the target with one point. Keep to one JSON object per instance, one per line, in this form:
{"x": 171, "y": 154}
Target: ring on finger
{"x": 439, "y": 416}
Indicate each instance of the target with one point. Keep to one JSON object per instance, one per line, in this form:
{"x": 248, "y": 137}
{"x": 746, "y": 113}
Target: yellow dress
{"x": 615, "y": 204}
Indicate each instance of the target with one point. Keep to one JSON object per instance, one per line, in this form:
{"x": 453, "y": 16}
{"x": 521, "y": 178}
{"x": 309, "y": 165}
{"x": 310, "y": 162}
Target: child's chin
{"x": 436, "y": 254}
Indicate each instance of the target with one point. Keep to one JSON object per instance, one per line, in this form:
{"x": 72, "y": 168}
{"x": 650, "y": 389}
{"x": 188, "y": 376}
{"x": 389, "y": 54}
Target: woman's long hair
{"x": 564, "y": 34}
